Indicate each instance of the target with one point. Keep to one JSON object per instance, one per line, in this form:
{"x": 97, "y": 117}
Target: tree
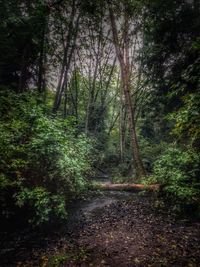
{"x": 122, "y": 52}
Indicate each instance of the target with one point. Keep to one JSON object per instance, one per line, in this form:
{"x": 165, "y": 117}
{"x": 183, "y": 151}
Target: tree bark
{"x": 92, "y": 87}
{"x": 24, "y": 70}
{"x": 72, "y": 32}
{"x": 41, "y": 71}
{"x": 122, "y": 128}
{"x": 125, "y": 77}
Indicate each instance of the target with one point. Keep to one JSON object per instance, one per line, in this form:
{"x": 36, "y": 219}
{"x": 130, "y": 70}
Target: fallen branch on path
{"x": 153, "y": 187}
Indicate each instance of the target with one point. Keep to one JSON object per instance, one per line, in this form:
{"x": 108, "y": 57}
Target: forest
{"x": 100, "y": 133}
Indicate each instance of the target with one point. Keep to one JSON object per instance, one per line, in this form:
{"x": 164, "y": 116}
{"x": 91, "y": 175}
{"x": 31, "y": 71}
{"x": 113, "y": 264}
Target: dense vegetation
{"x": 172, "y": 53}
{"x": 88, "y": 86}
{"x": 44, "y": 162}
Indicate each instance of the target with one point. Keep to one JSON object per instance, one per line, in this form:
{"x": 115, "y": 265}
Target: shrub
{"x": 178, "y": 171}
{"x": 43, "y": 163}
{"x": 187, "y": 120}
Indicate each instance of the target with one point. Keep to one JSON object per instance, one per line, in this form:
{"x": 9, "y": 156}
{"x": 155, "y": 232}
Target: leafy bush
{"x": 43, "y": 163}
{"x": 178, "y": 171}
{"x": 150, "y": 151}
{"x": 187, "y": 120}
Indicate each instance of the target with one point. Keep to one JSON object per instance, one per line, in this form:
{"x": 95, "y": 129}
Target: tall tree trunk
{"x": 122, "y": 127}
{"x": 76, "y": 87}
{"x": 41, "y": 70}
{"x": 125, "y": 76}
{"x": 24, "y": 70}
{"x": 65, "y": 61}
{"x": 92, "y": 88}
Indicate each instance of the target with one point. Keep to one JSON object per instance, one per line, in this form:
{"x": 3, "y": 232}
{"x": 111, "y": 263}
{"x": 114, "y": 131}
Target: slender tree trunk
{"x": 65, "y": 61}
{"x": 76, "y": 85}
{"x": 87, "y": 118}
{"x": 24, "y": 70}
{"x": 65, "y": 104}
{"x": 125, "y": 76}
{"x": 122, "y": 127}
{"x": 63, "y": 83}
{"x": 41, "y": 70}
{"x": 104, "y": 91}
{"x": 92, "y": 88}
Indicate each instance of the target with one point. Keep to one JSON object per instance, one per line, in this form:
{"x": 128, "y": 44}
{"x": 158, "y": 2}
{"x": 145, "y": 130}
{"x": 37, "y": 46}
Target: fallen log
{"x": 137, "y": 187}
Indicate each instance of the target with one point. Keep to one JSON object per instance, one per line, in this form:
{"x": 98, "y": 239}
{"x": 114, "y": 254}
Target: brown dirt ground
{"x": 127, "y": 233}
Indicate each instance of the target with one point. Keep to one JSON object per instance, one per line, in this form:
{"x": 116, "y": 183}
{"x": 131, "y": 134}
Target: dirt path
{"x": 118, "y": 229}
{"x": 131, "y": 233}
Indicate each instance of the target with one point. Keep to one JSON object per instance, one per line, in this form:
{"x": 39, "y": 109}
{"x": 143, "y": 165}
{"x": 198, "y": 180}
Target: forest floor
{"x": 112, "y": 229}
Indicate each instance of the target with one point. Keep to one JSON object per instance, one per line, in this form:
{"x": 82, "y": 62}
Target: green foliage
{"x": 171, "y": 56}
{"x": 178, "y": 171}
{"x": 187, "y": 119}
{"x": 43, "y": 162}
{"x": 150, "y": 151}
{"x": 119, "y": 175}
{"x": 43, "y": 203}
{"x": 21, "y": 32}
